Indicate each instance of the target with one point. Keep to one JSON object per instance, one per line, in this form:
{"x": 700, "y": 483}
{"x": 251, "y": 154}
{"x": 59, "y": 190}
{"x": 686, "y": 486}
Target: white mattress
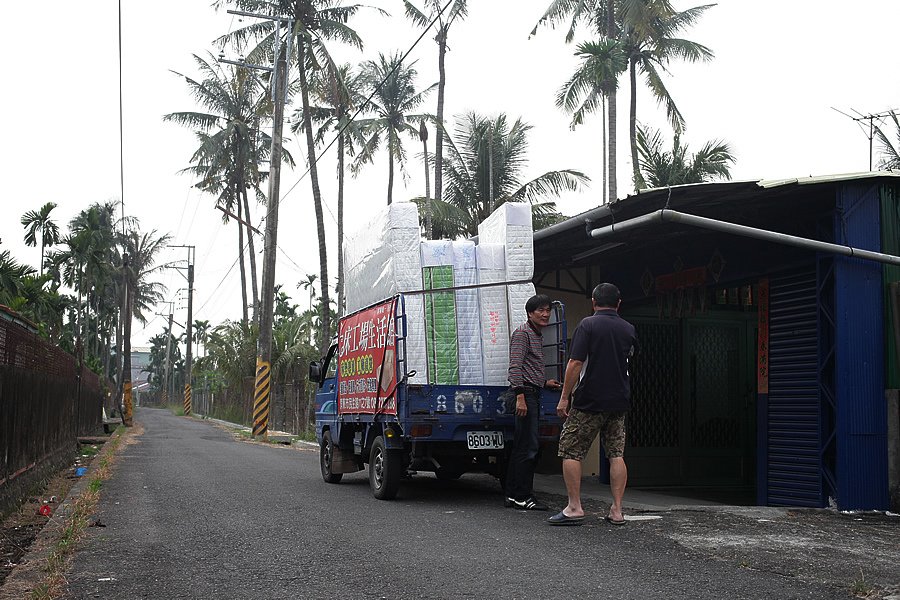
{"x": 468, "y": 325}
{"x": 493, "y": 313}
{"x": 510, "y": 225}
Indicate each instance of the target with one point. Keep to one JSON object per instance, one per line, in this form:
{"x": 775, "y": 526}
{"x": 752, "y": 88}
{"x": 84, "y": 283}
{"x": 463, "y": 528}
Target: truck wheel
{"x": 385, "y": 469}
{"x": 326, "y": 456}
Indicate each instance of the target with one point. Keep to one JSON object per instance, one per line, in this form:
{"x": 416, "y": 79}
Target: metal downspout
{"x": 672, "y": 216}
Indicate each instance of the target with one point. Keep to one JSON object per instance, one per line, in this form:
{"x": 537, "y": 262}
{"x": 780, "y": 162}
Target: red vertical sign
{"x": 367, "y": 361}
{"x": 762, "y": 355}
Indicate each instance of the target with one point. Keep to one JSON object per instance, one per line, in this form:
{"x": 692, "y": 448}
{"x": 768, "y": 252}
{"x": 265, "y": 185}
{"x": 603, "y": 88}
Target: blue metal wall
{"x": 790, "y": 422}
{"x": 861, "y": 413}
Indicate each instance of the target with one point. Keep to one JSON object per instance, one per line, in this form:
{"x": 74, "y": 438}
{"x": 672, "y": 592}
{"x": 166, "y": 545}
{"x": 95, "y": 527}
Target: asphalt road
{"x": 192, "y": 512}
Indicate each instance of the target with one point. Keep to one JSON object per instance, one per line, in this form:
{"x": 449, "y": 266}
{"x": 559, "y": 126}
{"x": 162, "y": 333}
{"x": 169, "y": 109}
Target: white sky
{"x": 779, "y": 68}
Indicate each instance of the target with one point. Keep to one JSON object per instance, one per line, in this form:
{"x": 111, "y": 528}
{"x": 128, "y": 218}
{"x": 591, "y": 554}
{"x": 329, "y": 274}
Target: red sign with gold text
{"x": 367, "y": 361}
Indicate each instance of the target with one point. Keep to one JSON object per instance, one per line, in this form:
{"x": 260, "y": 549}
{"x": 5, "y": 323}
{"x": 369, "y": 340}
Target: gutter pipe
{"x": 672, "y": 216}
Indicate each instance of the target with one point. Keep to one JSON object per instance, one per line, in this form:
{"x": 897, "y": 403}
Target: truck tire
{"x": 326, "y": 458}
{"x": 385, "y": 470}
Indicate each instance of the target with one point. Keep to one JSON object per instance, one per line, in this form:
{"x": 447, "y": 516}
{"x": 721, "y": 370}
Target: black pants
{"x": 520, "y": 475}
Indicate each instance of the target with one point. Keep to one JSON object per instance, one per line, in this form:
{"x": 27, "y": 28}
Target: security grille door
{"x": 717, "y": 417}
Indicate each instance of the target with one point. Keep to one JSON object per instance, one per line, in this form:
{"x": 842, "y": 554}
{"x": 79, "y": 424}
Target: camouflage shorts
{"x": 581, "y": 428}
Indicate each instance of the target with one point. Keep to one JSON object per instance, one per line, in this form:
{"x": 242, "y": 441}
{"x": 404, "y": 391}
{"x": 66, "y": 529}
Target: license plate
{"x": 485, "y": 440}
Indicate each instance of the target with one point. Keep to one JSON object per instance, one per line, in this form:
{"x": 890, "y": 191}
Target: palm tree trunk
{"x": 611, "y": 33}
{"x": 632, "y": 127}
{"x": 340, "y": 224}
{"x": 242, "y": 267}
{"x": 429, "y": 230}
{"x": 390, "y": 169}
{"x": 254, "y": 288}
{"x": 439, "y": 129}
{"x": 605, "y": 168}
{"x": 325, "y": 340}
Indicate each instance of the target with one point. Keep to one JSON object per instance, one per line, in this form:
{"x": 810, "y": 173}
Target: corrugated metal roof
{"x": 812, "y": 179}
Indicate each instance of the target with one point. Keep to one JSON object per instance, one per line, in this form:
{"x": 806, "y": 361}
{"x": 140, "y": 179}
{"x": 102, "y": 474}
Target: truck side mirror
{"x": 315, "y": 371}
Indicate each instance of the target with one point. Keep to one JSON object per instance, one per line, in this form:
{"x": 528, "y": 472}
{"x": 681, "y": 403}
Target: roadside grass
{"x": 54, "y": 583}
{"x": 176, "y": 409}
{"x": 860, "y": 587}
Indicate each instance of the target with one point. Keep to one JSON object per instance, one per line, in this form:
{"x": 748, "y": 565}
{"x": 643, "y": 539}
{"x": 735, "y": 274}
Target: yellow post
{"x": 126, "y": 400}
{"x": 261, "y": 399}
{"x": 187, "y": 399}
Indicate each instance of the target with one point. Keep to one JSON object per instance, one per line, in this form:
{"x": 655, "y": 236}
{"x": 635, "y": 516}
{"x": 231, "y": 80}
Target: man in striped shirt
{"x": 526, "y": 378}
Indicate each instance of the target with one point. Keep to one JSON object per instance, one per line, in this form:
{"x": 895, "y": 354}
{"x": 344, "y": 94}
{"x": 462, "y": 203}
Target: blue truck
{"x": 368, "y": 413}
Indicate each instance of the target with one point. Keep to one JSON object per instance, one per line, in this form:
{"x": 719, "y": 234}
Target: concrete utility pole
{"x": 127, "y": 405}
{"x": 262, "y": 391}
{"x": 168, "y": 357}
{"x": 188, "y": 362}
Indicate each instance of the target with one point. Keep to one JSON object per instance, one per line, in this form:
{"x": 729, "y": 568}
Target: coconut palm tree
{"x": 483, "y": 170}
{"x": 600, "y": 15}
{"x": 39, "y": 221}
{"x": 593, "y": 83}
{"x": 890, "y": 153}
{"x": 315, "y": 23}
{"x": 338, "y": 92}
{"x": 394, "y": 97}
{"x": 227, "y": 162}
{"x": 661, "y": 168}
{"x": 649, "y": 40}
{"x": 423, "y": 18}
{"x": 142, "y": 250}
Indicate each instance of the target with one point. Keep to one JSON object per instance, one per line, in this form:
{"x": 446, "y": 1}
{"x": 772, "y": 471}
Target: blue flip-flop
{"x": 561, "y": 518}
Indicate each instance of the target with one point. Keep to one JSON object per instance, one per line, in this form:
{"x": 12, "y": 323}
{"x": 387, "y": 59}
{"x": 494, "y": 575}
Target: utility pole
{"x": 168, "y": 357}
{"x": 188, "y": 363}
{"x": 262, "y": 390}
{"x": 127, "y": 405}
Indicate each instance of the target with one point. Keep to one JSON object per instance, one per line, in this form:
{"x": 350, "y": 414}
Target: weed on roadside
{"x": 860, "y": 587}
{"x": 54, "y": 583}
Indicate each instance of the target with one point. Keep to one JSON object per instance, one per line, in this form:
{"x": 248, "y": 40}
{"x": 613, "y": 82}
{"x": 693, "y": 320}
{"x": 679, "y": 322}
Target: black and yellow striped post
{"x": 187, "y": 399}
{"x": 261, "y": 398}
{"x": 128, "y": 408}
{"x": 165, "y": 397}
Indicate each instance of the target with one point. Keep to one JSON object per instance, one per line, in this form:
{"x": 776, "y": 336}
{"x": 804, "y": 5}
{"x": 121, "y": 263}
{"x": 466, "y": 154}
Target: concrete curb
{"x": 245, "y": 428}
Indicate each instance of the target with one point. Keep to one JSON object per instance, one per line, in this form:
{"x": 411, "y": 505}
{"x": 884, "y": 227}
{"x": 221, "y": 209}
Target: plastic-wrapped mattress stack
{"x": 465, "y": 272}
{"x": 382, "y": 259}
{"x": 510, "y": 227}
{"x": 493, "y": 313}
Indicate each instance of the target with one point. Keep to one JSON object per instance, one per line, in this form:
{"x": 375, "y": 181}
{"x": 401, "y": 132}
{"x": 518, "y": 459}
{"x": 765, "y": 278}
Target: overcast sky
{"x": 780, "y": 67}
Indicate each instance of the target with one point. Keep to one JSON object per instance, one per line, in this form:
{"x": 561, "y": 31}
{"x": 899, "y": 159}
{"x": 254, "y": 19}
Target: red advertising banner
{"x": 762, "y": 355}
{"x": 367, "y": 361}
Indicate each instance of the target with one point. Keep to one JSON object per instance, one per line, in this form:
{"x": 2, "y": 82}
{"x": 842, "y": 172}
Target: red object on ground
{"x": 45, "y": 510}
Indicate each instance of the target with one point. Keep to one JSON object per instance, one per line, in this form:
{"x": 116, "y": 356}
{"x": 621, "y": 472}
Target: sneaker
{"x": 529, "y": 503}
{"x": 509, "y": 502}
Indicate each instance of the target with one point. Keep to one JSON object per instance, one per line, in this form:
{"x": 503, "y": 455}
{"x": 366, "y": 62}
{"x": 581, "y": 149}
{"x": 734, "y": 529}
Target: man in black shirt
{"x": 595, "y": 397}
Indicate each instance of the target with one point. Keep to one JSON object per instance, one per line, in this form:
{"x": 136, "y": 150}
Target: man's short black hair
{"x": 536, "y": 302}
{"x": 606, "y": 295}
